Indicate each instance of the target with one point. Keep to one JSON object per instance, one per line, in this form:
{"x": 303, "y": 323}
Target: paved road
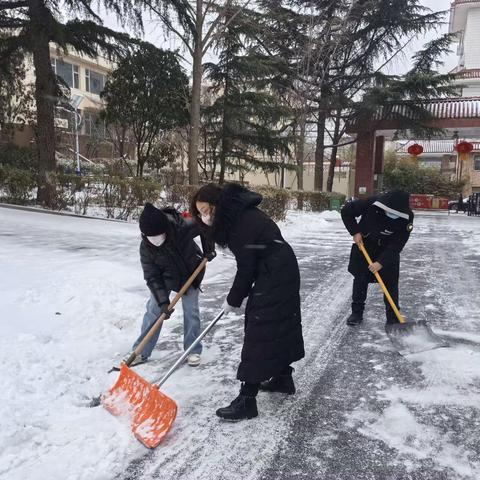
{"x": 361, "y": 411}
{"x": 439, "y": 276}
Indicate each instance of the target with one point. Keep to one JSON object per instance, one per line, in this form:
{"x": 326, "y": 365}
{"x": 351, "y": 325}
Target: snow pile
{"x": 330, "y": 215}
{"x": 308, "y": 224}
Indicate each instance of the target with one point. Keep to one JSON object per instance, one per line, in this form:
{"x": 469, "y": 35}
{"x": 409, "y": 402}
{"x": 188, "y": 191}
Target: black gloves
{"x": 164, "y": 310}
{"x": 210, "y": 255}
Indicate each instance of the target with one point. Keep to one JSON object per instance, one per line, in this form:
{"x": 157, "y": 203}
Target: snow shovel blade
{"x": 413, "y": 337}
{"x": 151, "y": 413}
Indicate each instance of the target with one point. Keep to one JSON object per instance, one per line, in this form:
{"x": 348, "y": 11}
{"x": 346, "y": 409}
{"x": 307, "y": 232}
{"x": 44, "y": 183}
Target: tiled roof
{"x": 460, "y": 2}
{"x": 471, "y": 73}
{"x": 448, "y": 108}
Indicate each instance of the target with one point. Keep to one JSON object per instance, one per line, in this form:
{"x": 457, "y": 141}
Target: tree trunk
{"x": 225, "y": 150}
{"x": 331, "y": 168}
{"x": 45, "y": 89}
{"x": 319, "y": 151}
{"x": 300, "y": 151}
{"x": 139, "y": 158}
{"x": 333, "y": 156}
{"x": 196, "y": 98}
{"x": 300, "y": 158}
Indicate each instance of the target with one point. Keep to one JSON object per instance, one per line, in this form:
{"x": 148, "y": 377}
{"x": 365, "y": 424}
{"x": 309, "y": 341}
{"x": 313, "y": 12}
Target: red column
{"x": 379, "y": 154}
{"x": 365, "y": 163}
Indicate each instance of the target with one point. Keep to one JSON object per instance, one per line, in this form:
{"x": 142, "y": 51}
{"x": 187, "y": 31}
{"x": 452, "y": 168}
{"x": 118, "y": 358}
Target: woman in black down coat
{"x": 267, "y": 273}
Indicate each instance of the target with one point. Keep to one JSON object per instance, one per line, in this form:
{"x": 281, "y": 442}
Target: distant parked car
{"x": 453, "y": 204}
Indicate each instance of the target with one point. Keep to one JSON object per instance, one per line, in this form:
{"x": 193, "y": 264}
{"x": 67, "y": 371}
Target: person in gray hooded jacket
{"x": 384, "y": 227}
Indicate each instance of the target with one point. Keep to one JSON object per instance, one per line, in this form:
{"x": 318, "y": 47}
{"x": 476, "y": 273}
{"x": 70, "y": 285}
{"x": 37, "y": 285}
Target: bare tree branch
{"x": 214, "y": 25}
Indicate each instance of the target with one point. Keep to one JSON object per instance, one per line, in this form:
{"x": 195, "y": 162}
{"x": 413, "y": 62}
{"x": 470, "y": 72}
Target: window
{"x": 68, "y": 72}
{"x": 93, "y": 125}
{"x": 94, "y": 81}
{"x": 476, "y": 162}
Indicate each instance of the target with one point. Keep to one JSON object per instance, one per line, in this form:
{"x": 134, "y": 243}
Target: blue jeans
{"x": 191, "y": 322}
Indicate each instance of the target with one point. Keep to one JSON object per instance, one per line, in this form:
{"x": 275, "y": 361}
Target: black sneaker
{"x": 282, "y": 384}
{"x": 355, "y": 319}
{"x": 241, "y": 408}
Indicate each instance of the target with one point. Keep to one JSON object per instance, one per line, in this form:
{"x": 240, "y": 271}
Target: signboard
{"x": 362, "y": 190}
{"x": 61, "y": 123}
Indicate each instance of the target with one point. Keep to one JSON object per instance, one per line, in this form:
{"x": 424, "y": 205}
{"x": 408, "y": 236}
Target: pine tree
{"x": 250, "y": 118}
{"x": 344, "y": 43}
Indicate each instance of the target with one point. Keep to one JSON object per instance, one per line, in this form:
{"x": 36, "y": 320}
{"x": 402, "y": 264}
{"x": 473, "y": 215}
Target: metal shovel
{"x": 406, "y": 337}
{"x": 151, "y": 412}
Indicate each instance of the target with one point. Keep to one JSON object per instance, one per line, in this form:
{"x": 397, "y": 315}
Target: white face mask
{"x": 392, "y": 215}
{"x": 157, "y": 240}
{"x": 207, "y": 219}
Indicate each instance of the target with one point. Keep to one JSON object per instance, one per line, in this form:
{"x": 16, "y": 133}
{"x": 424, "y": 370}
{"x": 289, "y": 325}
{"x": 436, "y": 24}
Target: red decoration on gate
{"x": 464, "y": 147}
{"x": 415, "y": 149}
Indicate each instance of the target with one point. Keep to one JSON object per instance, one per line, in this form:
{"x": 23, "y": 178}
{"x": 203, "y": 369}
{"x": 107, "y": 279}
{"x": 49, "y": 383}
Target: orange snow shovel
{"x": 150, "y": 411}
{"x": 134, "y": 397}
{"x": 406, "y": 337}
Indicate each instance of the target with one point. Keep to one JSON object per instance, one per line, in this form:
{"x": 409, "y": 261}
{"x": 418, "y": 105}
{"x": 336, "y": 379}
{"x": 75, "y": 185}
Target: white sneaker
{"x": 139, "y": 359}
{"x": 193, "y": 360}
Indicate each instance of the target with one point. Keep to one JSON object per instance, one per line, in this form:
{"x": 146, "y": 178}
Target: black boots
{"x": 283, "y": 383}
{"x": 243, "y": 407}
{"x": 355, "y": 319}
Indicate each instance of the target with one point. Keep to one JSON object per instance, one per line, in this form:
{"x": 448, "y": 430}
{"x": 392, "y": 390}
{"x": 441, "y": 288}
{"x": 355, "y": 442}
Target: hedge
{"x": 315, "y": 201}
{"x": 275, "y": 201}
{"x": 123, "y": 197}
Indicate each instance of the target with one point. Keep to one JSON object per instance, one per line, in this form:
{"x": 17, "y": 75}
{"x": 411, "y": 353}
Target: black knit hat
{"x": 396, "y": 201}
{"x": 153, "y": 221}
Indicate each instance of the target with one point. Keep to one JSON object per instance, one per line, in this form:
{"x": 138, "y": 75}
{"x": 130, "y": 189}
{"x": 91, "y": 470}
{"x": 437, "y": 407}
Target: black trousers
{"x": 360, "y": 289}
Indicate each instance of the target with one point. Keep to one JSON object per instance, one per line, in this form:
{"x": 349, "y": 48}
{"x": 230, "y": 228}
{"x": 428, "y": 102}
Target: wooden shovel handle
{"x": 361, "y": 246}
{"x": 166, "y": 314}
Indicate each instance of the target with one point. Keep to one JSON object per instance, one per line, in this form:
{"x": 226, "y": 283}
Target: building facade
{"x": 86, "y": 78}
{"x": 465, "y": 23}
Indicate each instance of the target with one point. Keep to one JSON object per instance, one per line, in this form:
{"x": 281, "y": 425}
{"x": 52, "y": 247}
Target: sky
{"x": 451, "y": 60}
{"x": 154, "y": 33}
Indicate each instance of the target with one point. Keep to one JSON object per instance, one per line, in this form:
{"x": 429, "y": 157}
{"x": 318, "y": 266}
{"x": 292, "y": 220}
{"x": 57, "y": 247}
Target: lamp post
{"x": 78, "y": 121}
{"x": 75, "y": 102}
{"x": 455, "y": 139}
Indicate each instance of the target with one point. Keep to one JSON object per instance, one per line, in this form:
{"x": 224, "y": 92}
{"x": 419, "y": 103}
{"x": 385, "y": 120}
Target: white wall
{"x": 472, "y": 39}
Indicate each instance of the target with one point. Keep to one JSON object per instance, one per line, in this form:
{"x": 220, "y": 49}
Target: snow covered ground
{"x": 72, "y": 297}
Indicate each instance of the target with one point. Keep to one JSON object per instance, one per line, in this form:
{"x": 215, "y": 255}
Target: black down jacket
{"x": 384, "y": 238}
{"x": 168, "y": 267}
{"x": 267, "y": 273}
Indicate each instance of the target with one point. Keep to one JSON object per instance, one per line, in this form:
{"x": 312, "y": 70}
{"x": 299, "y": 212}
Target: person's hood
{"x": 396, "y": 201}
{"x": 233, "y": 200}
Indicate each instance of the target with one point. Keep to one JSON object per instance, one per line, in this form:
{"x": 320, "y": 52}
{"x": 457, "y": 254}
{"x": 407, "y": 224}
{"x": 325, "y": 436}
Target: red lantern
{"x": 464, "y": 148}
{"x": 415, "y": 149}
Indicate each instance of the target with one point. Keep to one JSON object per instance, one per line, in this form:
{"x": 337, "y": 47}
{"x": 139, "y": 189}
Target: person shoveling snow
{"x": 382, "y": 233}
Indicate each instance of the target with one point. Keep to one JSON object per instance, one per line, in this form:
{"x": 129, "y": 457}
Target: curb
{"x": 51, "y": 212}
